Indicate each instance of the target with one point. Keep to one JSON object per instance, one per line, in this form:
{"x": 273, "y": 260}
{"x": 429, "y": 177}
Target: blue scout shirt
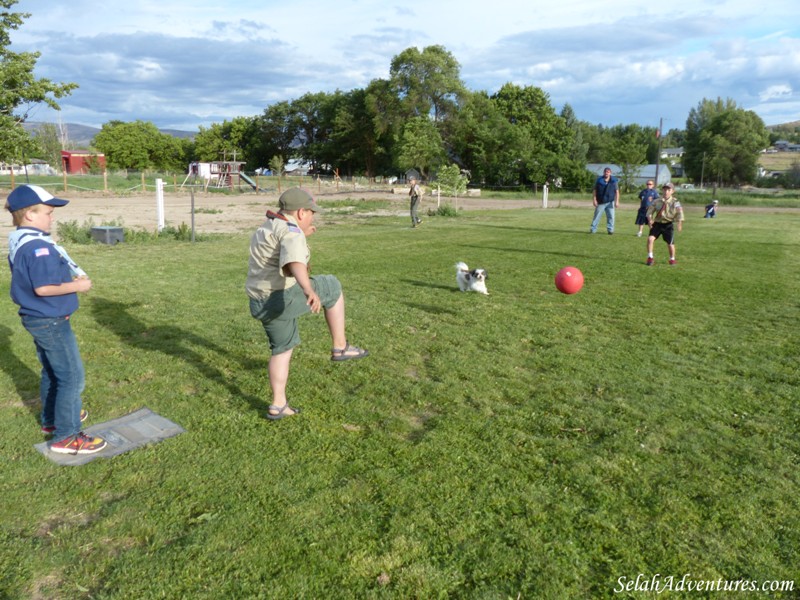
{"x": 36, "y": 264}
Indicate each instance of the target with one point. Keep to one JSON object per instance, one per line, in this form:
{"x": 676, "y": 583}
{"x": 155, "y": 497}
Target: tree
{"x": 724, "y": 142}
{"x": 315, "y": 115}
{"x": 482, "y": 140}
{"x": 541, "y": 135}
{"x": 421, "y": 146}
{"x": 733, "y": 141}
{"x": 699, "y": 118}
{"x": 139, "y": 145}
{"x": 49, "y": 145}
{"x": 274, "y": 133}
{"x": 451, "y": 180}
{"x": 276, "y": 165}
{"x": 360, "y": 132}
{"x": 19, "y": 89}
{"x": 224, "y": 141}
{"x": 629, "y": 153}
{"x": 428, "y": 82}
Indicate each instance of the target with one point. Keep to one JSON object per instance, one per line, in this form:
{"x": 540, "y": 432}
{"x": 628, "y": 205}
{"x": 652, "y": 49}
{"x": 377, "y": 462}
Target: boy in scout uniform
{"x": 661, "y": 215}
{"x": 281, "y": 290}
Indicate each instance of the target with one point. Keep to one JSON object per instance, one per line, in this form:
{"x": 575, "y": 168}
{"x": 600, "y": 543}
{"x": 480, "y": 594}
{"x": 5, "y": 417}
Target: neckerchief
{"x": 20, "y": 237}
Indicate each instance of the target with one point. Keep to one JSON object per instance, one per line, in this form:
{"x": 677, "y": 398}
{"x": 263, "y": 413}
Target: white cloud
{"x": 774, "y": 92}
{"x": 200, "y": 61}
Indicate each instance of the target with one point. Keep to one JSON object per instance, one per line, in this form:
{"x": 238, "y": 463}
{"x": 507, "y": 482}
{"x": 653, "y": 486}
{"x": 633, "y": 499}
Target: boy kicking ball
{"x": 281, "y": 290}
{"x": 662, "y": 215}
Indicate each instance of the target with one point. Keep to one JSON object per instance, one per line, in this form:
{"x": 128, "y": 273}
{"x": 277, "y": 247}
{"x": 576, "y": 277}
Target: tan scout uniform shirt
{"x": 671, "y": 212}
{"x": 275, "y": 244}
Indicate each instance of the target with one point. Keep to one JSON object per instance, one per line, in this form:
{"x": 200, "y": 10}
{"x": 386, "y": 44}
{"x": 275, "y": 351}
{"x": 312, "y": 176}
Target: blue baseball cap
{"x": 26, "y": 195}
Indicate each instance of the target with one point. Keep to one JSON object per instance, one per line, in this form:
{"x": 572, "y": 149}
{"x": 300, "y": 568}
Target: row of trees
{"x": 422, "y": 116}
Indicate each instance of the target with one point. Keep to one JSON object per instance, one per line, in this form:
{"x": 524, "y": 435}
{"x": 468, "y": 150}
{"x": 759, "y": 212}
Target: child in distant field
{"x": 662, "y": 215}
{"x": 711, "y": 210}
{"x": 647, "y": 196}
{"x": 281, "y": 290}
{"x": 415, "y": 194}
{"x": 45, "y": 283}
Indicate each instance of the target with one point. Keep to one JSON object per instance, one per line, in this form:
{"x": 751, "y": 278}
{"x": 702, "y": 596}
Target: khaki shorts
{"x": 279, "y": 312}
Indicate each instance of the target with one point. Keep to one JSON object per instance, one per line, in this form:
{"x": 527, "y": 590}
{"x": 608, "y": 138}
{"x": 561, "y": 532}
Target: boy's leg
{"x": 58, "y": 351}
{"x": 47, "y": 389}
{"x": 671, "y": 251}
{"x": 278, "y": 377}
{"x": 334, "y": 316}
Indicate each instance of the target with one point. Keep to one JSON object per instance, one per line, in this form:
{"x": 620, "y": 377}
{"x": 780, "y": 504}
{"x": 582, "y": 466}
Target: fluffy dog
{"x": 471, "y": 280}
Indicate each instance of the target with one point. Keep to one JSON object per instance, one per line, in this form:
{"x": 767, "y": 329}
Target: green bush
{"x": 445, "y": 210}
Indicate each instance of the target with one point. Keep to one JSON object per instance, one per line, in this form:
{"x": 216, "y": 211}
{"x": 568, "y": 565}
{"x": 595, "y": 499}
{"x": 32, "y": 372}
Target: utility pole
{"x": 658, "y": 154}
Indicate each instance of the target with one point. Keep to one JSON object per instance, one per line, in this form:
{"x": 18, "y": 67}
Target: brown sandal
{"x": 340, "y": 354}
{"x": 281, "y": 412}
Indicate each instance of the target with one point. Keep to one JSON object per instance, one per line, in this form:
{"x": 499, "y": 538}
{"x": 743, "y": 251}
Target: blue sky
{"x": 182, "y": 64}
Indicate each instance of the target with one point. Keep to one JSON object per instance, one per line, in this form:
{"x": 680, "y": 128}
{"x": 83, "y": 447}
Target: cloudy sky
{"x": 182, "y": 64}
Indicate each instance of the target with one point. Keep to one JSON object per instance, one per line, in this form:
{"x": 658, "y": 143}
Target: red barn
{"x": 81, "y": 161}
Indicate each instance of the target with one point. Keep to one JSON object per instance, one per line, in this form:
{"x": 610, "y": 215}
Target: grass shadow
{"x": 26, "y": 380}
{"x": 169, "y": 340}
{"x": 428, "y": 284}
{"x": 432, "y": 309}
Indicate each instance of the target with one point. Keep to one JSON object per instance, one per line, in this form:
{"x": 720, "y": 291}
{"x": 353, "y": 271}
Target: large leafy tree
{"x": 226, "y": 141}
{"x": 428, "y": 82}
{"x": 360, "y": 132}
{"x": 420, "y": 146}
{"x": 732, "y": 141}
{"x": 694, "y": 149}
{"x": 139, "y": 145}
{"x": 482, "y": 140}
{"x": 274, "y": 134}
{"x": 19, "y": 89}
{"x": 542, "y": 135}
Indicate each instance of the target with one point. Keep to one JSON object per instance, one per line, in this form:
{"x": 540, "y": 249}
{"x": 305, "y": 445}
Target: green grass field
{"x": 522, "y": 445}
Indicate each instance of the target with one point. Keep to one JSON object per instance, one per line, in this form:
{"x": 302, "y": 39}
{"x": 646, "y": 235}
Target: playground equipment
{"x": 219, "y": 174}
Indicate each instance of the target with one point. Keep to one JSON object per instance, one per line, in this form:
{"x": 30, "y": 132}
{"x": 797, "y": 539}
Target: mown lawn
{"x": 522, "y": 445}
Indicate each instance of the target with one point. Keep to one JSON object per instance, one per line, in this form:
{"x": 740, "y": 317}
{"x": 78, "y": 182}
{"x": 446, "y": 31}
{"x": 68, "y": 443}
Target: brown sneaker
{"x": 79, "y": 444}
{"x": 49, "y": 429}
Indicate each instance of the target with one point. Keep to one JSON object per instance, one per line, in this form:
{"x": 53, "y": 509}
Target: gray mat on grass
{"x": 134, "y": 430}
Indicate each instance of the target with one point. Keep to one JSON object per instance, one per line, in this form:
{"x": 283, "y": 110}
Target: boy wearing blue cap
{"x": 45, "y": 283}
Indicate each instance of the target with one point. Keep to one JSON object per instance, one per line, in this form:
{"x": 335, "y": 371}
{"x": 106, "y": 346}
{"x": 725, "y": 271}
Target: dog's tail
{"x": 461, "y": 266}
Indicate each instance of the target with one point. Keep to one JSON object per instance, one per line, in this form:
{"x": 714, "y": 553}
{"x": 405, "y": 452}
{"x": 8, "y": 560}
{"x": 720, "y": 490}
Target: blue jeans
{"x": 608, "y": 207}
{"x": 63, "y": 376}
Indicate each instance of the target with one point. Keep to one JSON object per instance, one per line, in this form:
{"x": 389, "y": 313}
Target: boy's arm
{"x": 83, "y": 284}
{"x": 300, "y": 272}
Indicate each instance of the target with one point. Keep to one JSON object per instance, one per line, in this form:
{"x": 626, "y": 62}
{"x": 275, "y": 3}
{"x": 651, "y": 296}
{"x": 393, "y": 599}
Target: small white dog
{"x": 471, "y": 280}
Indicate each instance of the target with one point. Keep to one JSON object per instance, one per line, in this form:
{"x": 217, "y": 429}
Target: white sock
{"x": 649, "y": 255}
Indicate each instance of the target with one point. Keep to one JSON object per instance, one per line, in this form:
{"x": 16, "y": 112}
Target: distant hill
{"x": 81, "y": 136}
{"x": 787, "y": 126}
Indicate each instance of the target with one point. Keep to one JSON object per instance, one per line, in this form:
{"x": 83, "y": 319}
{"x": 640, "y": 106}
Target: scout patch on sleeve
{"x": 42, "y": 252}
{"x": 292, "y": 228}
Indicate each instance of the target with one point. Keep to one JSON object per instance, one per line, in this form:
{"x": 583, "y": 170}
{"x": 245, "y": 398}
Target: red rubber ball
{"x": 569, "y": 280}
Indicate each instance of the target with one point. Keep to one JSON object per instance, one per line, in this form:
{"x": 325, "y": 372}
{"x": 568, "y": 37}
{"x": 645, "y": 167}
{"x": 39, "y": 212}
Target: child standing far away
{"x": 662, "y": 215}
{"x": 711, "y": 210}
{"x": 647, "y": 196}
{"x": 281, "y": 290}
{"x": 45, "y": 283}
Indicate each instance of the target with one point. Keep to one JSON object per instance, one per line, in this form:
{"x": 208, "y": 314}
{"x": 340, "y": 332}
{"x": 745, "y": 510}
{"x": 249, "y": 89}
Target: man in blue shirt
{"x": 605, "y": 198}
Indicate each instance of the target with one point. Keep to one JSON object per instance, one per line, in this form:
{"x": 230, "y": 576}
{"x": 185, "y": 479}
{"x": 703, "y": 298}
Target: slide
{"x": 248, "y": 180}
